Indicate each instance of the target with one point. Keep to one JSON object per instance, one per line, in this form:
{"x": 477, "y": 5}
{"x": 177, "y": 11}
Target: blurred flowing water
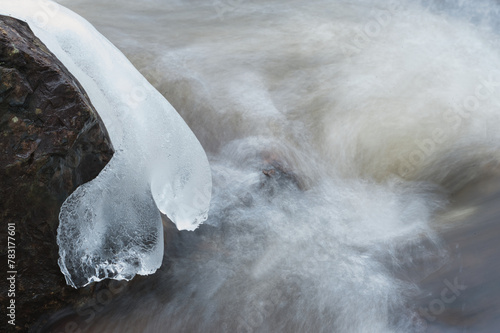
{"x": 354, "y": 147}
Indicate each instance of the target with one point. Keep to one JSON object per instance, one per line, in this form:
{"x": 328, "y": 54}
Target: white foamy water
{"x": 364, "y": 116}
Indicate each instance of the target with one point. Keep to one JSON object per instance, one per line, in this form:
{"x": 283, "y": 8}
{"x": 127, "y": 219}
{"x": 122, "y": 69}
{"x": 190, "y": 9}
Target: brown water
{"x": 470, "y": 232}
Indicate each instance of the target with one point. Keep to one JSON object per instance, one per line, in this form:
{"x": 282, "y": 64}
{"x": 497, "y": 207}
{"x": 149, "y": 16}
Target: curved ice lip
{"x": 110, "y": 227}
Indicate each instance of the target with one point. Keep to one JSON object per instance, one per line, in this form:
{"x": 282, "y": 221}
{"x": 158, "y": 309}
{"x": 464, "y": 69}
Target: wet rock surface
{"x": 52, "y": 141}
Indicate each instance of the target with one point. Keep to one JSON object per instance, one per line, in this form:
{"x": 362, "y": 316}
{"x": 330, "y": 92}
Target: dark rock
{"x": 52, "y": 141}
{"x": 276, "y": 171}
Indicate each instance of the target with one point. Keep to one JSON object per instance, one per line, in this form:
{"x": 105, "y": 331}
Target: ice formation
{"x": 111, "y": 227}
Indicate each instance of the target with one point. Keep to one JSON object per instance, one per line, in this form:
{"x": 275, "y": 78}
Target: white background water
{"x": 341, "y": 136}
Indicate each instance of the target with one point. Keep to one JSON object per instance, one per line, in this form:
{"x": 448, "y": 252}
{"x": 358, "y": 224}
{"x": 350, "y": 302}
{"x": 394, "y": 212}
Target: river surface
{"x": 355, "y": 152}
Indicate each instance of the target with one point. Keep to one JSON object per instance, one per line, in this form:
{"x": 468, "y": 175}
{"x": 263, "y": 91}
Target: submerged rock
{"x": 52, "y": 141}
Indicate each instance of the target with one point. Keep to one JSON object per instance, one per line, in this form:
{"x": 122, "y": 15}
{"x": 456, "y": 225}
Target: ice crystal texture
{"x": 110, "y": 227}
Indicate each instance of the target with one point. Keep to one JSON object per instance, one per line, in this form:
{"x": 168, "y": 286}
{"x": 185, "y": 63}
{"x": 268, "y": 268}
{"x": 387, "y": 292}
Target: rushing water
{"x": 354, "y": 148}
